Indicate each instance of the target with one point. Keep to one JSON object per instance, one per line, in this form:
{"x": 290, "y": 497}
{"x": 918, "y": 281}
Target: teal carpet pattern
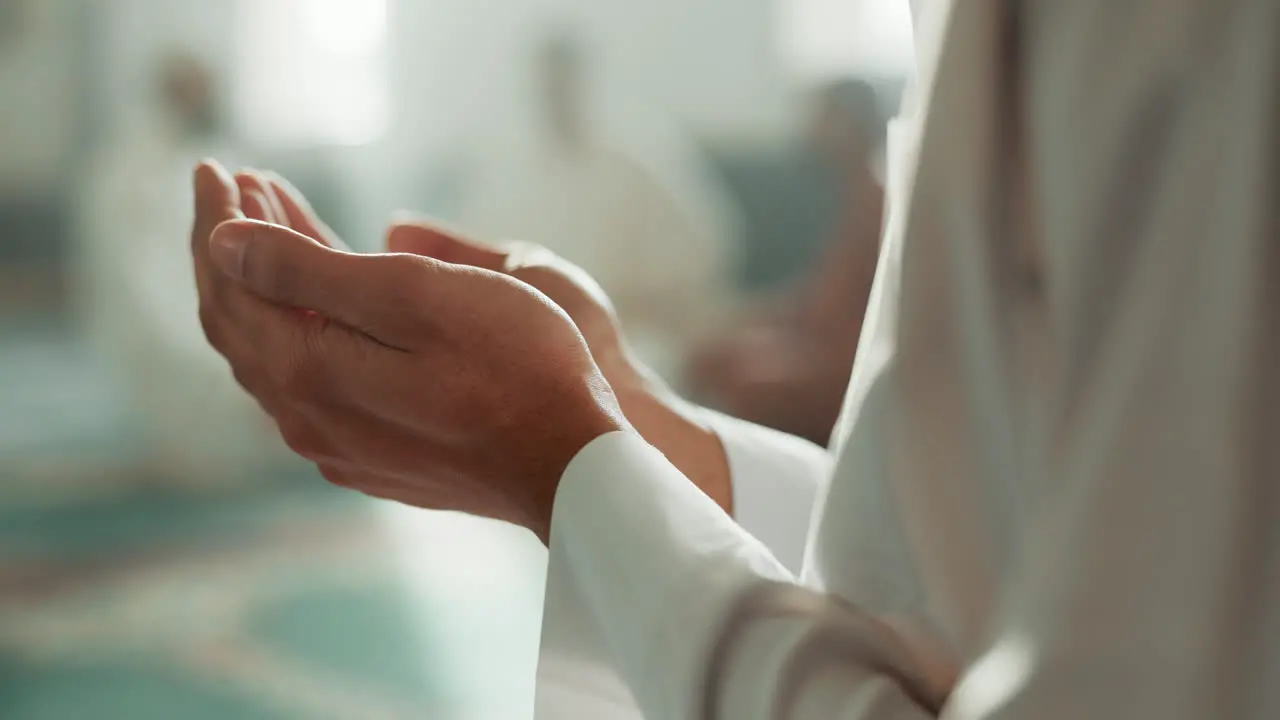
{"x": 269, "y": 598}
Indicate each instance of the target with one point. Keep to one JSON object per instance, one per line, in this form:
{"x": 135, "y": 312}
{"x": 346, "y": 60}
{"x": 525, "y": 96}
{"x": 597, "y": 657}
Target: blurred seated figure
{"x": 628, "y": 202}
{"x": 785, "y": 362}
{"x": 134, "y": 292}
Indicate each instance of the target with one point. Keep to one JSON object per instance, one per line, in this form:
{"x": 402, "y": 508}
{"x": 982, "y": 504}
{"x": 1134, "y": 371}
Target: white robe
{"x": 1063, "y": 488}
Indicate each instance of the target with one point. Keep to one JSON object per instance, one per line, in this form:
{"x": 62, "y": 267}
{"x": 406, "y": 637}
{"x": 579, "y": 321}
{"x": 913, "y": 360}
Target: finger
{"x": 429, "y": 239}
{"x": 302, "y": 217}
{"x": 375, "y": 295}
{"x": 314, "y": 379}
{"x": 253, "y": 332}
{"x": 217, "y": 199}
{"x": 250, "y": 181}
{"x": 306, "y": 372}
{"x": 562, "y": 281}
{"x": 223, "y": 294}
{"x": 277, "y": 207}
{"x": 255, "y": 205}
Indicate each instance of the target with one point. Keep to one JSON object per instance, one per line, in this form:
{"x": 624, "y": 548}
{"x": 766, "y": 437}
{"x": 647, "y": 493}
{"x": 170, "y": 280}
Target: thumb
{"x": 429, "y": 239}
{"x": 362, "y": 292}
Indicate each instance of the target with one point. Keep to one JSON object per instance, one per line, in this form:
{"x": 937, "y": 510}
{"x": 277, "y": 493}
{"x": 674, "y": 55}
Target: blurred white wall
{"x": 724, "y": 70}
{"x": 712, "y": 65}
{"x": 37, "y": 96}
{"x": 825, "y": 38}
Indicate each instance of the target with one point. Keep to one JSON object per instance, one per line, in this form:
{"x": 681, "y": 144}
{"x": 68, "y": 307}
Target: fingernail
{"x": 227, "y": 248}
{"x": 202, "y": 173}
{"x": 213, "y": 181}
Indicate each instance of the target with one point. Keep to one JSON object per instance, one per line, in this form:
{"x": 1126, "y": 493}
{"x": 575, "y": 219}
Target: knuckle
{"x": 263, "y": 269}
{"x": 403, "y": 273}
{"x": 408, "y": 295}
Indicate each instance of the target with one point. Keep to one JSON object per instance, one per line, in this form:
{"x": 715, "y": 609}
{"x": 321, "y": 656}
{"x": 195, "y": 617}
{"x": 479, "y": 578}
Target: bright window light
{"x": 312, "y": 71}
{"x": 346, "y": 27}
{"x": 825, "y": 38}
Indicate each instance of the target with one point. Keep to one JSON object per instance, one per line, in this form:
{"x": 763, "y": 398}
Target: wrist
{"x": 578, "y": 417}
{"x": 676, "y": 428}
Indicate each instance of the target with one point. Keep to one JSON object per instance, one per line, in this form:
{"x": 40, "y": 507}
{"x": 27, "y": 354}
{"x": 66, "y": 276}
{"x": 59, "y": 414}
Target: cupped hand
{"x": 665, "y": 420}
{"x": 435, "y": 384}
{"x": 567, "y": 285}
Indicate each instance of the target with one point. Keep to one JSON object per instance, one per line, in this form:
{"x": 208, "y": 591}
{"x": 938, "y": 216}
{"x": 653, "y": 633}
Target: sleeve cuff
{"x": 777, "y": 479}
{"x": 652, "y": 562}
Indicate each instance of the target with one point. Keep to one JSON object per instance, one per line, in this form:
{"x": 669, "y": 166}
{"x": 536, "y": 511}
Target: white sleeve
{"x": 777, "y": 480}
{"x": 658, "y": 566}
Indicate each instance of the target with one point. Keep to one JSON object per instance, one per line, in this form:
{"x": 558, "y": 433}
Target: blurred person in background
{"x": 133, "y": 293}
{"x": 785, "y": 363}
{"x": 644, "y": 221}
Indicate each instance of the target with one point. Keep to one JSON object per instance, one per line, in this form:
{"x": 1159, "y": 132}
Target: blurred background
{"x": 716, "y": 165}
